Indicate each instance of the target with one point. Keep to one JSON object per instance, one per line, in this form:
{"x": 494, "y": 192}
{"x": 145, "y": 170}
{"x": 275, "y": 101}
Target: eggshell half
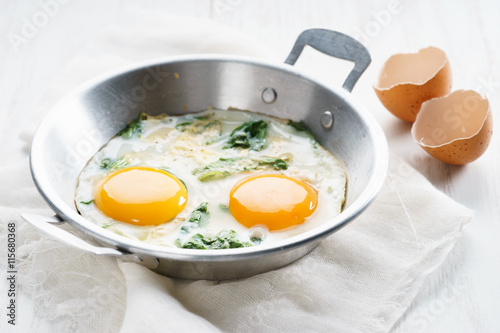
{"x": 408, "y": 80}
{"x": 455, "y": 129}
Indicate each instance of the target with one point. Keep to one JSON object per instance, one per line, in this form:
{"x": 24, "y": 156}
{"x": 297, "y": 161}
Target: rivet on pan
{"x": 326, "y": 119}
{"x": 269, "y": 95}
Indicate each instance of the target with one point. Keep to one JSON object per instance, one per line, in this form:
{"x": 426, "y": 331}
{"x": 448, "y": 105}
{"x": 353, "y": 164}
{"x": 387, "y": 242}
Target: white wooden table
{"x": 463, "y": 294}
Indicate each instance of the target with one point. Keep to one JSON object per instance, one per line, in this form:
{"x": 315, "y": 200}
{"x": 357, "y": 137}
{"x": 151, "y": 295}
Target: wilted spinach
{"x": 251, "y": 134}
{"x": 111, "y": 165}
{"x": 226, "y": 239}
{"x": 87, "y": 202}
{"x": 299, "y": 126}
{"x": 135, "y": 126}
{"x": 226, "y": 166}
{"x": 199, "y": 218}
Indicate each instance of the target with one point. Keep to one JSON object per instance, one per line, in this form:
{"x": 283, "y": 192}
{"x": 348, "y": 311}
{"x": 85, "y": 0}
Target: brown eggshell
{"x": 455, "y": 129}
{"x": 408, "y": 80}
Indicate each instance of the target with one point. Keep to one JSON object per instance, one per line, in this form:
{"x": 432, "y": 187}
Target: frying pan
{"x": 89, "y": 117}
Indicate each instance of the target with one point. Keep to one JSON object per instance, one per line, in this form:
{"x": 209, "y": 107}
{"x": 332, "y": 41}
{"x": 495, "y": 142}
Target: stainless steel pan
{"x": 85, "y": 120}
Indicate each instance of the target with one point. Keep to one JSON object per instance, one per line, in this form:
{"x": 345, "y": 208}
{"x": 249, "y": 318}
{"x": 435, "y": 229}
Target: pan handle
{"x": 337, "y": 45}
{"x": 48, "y": 226}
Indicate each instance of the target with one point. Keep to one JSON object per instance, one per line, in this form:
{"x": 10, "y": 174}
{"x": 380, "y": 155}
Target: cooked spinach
{"x": 213, "y": 175}
{"x": 111, "y": 165}
{"x": 226, "y": 166}
{"x": 255, "y": 240}
{"x": 199, "y": 126}
{"x": 226, "y": 239}
{"x": 133, "y": 127}
{"x": 182, "y": 126}
{"x": 277, "y": 164}
{"x": 300, "y": 126}
{"x": 199, "y": 218}
{"x": 87, "y": 202}
{"x": 251, "y": 134}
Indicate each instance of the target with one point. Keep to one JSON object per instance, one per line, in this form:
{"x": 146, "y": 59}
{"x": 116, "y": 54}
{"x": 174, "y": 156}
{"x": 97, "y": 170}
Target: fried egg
{"x": 141, "y": 196}
{"x": 275, "y": 201}
{"x": 215, "y": 179}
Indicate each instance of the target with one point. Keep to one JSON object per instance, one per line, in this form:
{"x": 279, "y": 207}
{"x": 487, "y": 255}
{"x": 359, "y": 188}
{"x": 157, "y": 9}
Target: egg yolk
{"x": 141, "y": 196}
{"x": 275, "y": 201}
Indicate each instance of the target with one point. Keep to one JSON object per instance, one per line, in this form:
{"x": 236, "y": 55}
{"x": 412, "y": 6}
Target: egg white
{"x": 180, "y": 151}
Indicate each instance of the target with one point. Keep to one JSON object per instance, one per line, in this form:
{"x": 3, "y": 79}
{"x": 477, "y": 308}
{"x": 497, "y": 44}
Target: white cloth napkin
{"x": 361, "y": 279}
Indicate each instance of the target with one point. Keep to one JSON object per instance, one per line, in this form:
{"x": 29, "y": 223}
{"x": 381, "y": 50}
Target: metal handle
{"x": 48, "y": 226}
{"x": 337, "y": 45}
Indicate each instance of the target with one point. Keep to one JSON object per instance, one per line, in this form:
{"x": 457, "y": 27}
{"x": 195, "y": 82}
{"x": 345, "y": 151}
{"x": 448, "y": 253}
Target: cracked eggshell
{"x": 456, "y": 128}
{"x": 408, "y": 80}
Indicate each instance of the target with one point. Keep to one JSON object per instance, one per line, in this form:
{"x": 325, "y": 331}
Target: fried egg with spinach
{"x": 211, "y": 180}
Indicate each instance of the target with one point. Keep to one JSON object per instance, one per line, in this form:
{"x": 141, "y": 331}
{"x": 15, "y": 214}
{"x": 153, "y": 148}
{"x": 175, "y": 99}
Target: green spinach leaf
{"x": 226, "y": 166}
{"x": 226, "y": 239}
{"x": 300, "y": 126}
{"x": 251, "y": 134}
{"x": 182, "y": 126}
{"x": 199, "y": 126}
{"x": 111, "y": 165}
{"x": 135, "y": 126}
{"x": 199, "y": 218}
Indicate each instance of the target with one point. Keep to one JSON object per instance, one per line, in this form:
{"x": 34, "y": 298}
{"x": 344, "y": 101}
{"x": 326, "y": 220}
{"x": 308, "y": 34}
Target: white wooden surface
{"x": 463, "y": 295}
